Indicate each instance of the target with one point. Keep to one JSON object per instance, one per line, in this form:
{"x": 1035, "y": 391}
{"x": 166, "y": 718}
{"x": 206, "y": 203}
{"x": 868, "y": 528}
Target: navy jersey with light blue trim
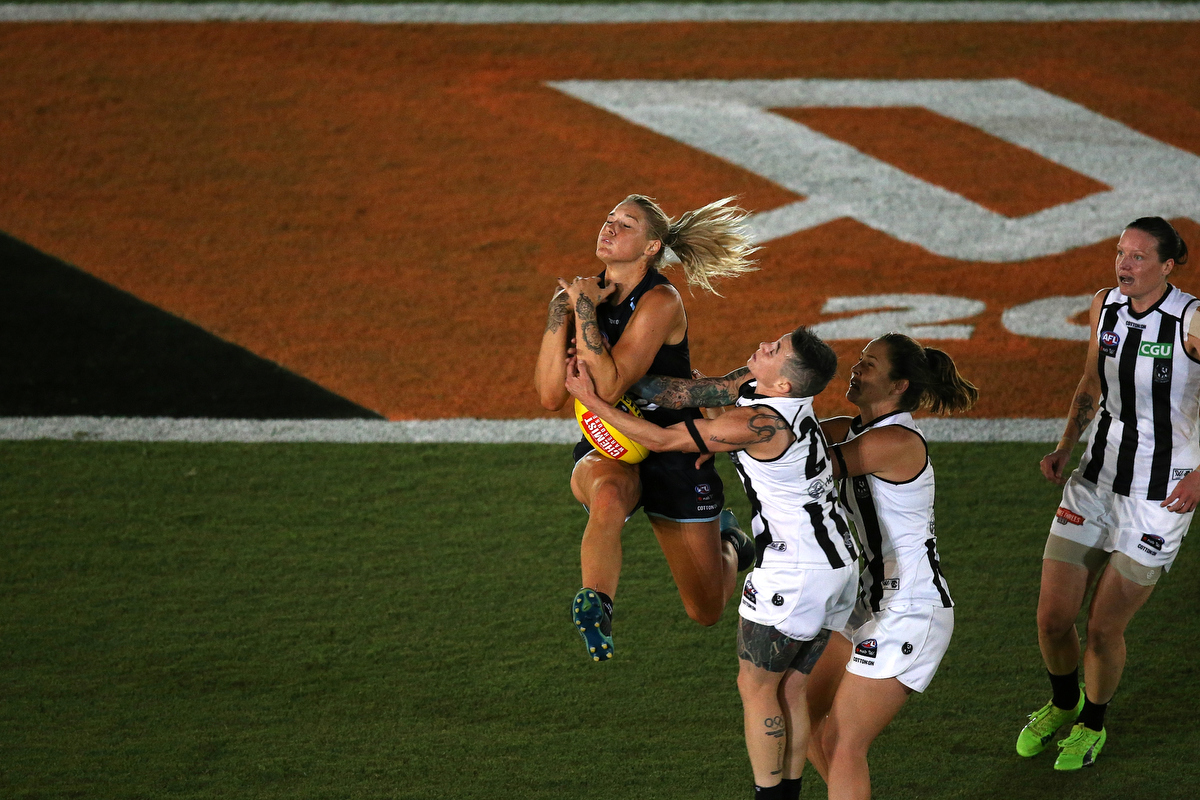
{"x": 671, "y": 360}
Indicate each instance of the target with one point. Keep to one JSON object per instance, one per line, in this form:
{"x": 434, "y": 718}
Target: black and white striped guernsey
{"x": 797, "y": 523}
{"x": 895, "y": 527}
{"x": 1144, "y": 438}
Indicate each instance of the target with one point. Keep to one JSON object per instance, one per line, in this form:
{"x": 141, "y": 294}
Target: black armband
{"x": 696, "y": 437}
{"x": 837, "y": 453}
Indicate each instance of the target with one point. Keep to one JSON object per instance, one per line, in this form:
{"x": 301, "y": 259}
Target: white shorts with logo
{"x": 1141, "y": 529}
{"x": 800, "y": 602}
{"x": 906, "y": 642}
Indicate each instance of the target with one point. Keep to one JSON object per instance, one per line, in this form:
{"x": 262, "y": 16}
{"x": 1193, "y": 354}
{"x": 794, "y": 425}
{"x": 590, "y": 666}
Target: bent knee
{"x": 707, "y": 614}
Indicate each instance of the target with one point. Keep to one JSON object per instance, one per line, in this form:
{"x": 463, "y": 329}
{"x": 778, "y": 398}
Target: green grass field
{"x": 349, "y": 621}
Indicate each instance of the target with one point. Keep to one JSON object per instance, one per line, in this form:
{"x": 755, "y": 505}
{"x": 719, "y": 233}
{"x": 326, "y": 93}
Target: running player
{"x": 1130, "y": 501}
{"x": 804, "y": 580}
{"x": 627, "y": 320}
{"x": 904, "y": 616}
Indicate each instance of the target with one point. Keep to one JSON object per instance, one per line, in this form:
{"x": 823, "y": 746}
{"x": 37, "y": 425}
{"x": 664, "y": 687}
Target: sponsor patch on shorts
{"x": 867, "y": 647}
{"x": 1179, "y": 474}
{"x": 1065, "y": 515}
{"x": 1156, "y": 542}
{"x": 749, "y": 594}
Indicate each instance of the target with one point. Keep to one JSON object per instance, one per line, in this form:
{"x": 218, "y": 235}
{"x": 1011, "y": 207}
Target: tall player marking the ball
{"x": 805, "y": 571}
{"x": 622, "y": 323}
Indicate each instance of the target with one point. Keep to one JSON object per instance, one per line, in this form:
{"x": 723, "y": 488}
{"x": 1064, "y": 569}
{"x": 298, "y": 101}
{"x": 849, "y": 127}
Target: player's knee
{"x": 1054, "y": 622}
{"x": 1105, "y": 636}
{"x": 707, "y": 613}
{"x": 609, "y": 493}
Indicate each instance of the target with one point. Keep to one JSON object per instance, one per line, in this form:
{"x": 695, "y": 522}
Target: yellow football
{"x": 610, "y": 441}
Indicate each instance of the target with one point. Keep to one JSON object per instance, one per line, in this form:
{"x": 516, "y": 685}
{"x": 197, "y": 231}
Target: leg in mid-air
{"x": 609, "y": 489}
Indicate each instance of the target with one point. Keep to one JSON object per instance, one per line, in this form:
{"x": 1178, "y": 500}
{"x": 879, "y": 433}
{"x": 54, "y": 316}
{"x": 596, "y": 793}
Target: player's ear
{"x": 652, "y": 247}
{"x": 900, "y": 387}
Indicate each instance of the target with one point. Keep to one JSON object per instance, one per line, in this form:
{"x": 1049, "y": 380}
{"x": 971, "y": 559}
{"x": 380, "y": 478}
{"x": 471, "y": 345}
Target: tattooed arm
{"x": 658, "y": 319}
{"x": 758, "y": 430}
{"x": 1083, "y": 404}
{"x": 551, "y": 369}
{"x": 693, "y": 393}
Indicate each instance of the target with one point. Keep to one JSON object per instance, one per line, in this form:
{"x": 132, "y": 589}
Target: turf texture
{"x": 349, "y": 621}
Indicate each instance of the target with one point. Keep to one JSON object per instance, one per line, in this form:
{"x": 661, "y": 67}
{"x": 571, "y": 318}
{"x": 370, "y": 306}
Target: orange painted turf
{"x": 384, "y": 209}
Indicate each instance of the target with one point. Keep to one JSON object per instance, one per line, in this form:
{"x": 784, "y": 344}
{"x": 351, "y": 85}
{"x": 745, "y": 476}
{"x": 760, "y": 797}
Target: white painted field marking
{"x": 602, "y": 13}
{"x": 1049, "y": 318}
{"x": 491, "y": 431}
{"x": 915, "y": 315}
{"x": 733, "y": 121}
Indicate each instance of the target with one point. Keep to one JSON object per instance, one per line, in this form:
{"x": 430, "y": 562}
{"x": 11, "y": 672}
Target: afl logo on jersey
{"x": 1108, "y": 343}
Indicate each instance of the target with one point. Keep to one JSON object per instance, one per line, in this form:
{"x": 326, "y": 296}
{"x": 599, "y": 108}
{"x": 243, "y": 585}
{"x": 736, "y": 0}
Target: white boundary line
{"x": 487, "y": 13}
{"x": 493, "y": 431}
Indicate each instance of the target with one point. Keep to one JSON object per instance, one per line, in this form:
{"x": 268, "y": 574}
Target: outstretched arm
{"x": 762, "y": 432}
{"x": 1083, "y": 404}
{"x": 695, "y": 393}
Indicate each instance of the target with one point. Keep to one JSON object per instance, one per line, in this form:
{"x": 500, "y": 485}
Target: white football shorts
{"x": 906, "y": 642}
{"x": 800, "y": 602}
{"x": 1141, "y": 529}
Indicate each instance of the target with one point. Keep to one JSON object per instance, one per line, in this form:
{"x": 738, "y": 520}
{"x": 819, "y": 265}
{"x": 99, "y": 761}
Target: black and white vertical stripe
{"x": 1145, "y": 433}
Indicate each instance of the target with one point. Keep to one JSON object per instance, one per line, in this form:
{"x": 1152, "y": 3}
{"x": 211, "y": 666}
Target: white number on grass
{"x": 912, "y": 314}
{"x": 1049, "y": 318}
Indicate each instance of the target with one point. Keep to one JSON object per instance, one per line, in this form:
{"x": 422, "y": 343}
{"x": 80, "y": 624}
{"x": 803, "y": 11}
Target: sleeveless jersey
{"x": 671, "y": 360}
{"x": 796, "y": 522}
{"x": 1145, "y": 436}
{"x": 895, "y": 527}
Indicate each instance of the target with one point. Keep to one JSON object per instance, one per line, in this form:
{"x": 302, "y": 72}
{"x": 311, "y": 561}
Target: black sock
{"x": 1065, "y": 687}
{"x": 605, "y": 603}
{"x": 769, "y": 792}
{"x": 1092, "y": 715}
{"x": 791, "y": 788}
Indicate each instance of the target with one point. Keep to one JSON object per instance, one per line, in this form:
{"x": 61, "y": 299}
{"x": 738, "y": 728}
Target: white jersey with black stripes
{"x": 797, "y": 523}
{"x": 895, "y": 526}
{"x": 1145, "y": 437}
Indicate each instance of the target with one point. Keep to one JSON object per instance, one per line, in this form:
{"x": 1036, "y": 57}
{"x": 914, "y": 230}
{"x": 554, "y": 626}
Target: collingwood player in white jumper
{"x": 904, "y": 615}
{"x": 1130, "y": 501}
{"x": 804, "y": 581}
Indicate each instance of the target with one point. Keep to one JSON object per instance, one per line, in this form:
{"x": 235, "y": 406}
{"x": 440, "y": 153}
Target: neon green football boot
{"x": 1042, "y": 726}
{"x": 1081, "y": 748}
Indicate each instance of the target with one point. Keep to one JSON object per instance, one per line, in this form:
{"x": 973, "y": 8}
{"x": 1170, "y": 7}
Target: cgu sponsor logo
{"x": 1156, "y": 349}
{"x": 1065, "y": 515}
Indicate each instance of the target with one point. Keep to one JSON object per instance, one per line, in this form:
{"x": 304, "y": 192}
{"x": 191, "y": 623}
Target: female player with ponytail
{"x": 904, "y": 616}
{"x": 1127, "y": 507}
{"x": 623, "y": 323}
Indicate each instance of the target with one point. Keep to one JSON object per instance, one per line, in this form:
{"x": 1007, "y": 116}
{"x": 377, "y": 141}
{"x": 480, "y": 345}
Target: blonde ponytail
{"x": 711, "y": 243}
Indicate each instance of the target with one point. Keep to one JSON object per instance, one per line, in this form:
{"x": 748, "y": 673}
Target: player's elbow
{"x": 552, "y": 400}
